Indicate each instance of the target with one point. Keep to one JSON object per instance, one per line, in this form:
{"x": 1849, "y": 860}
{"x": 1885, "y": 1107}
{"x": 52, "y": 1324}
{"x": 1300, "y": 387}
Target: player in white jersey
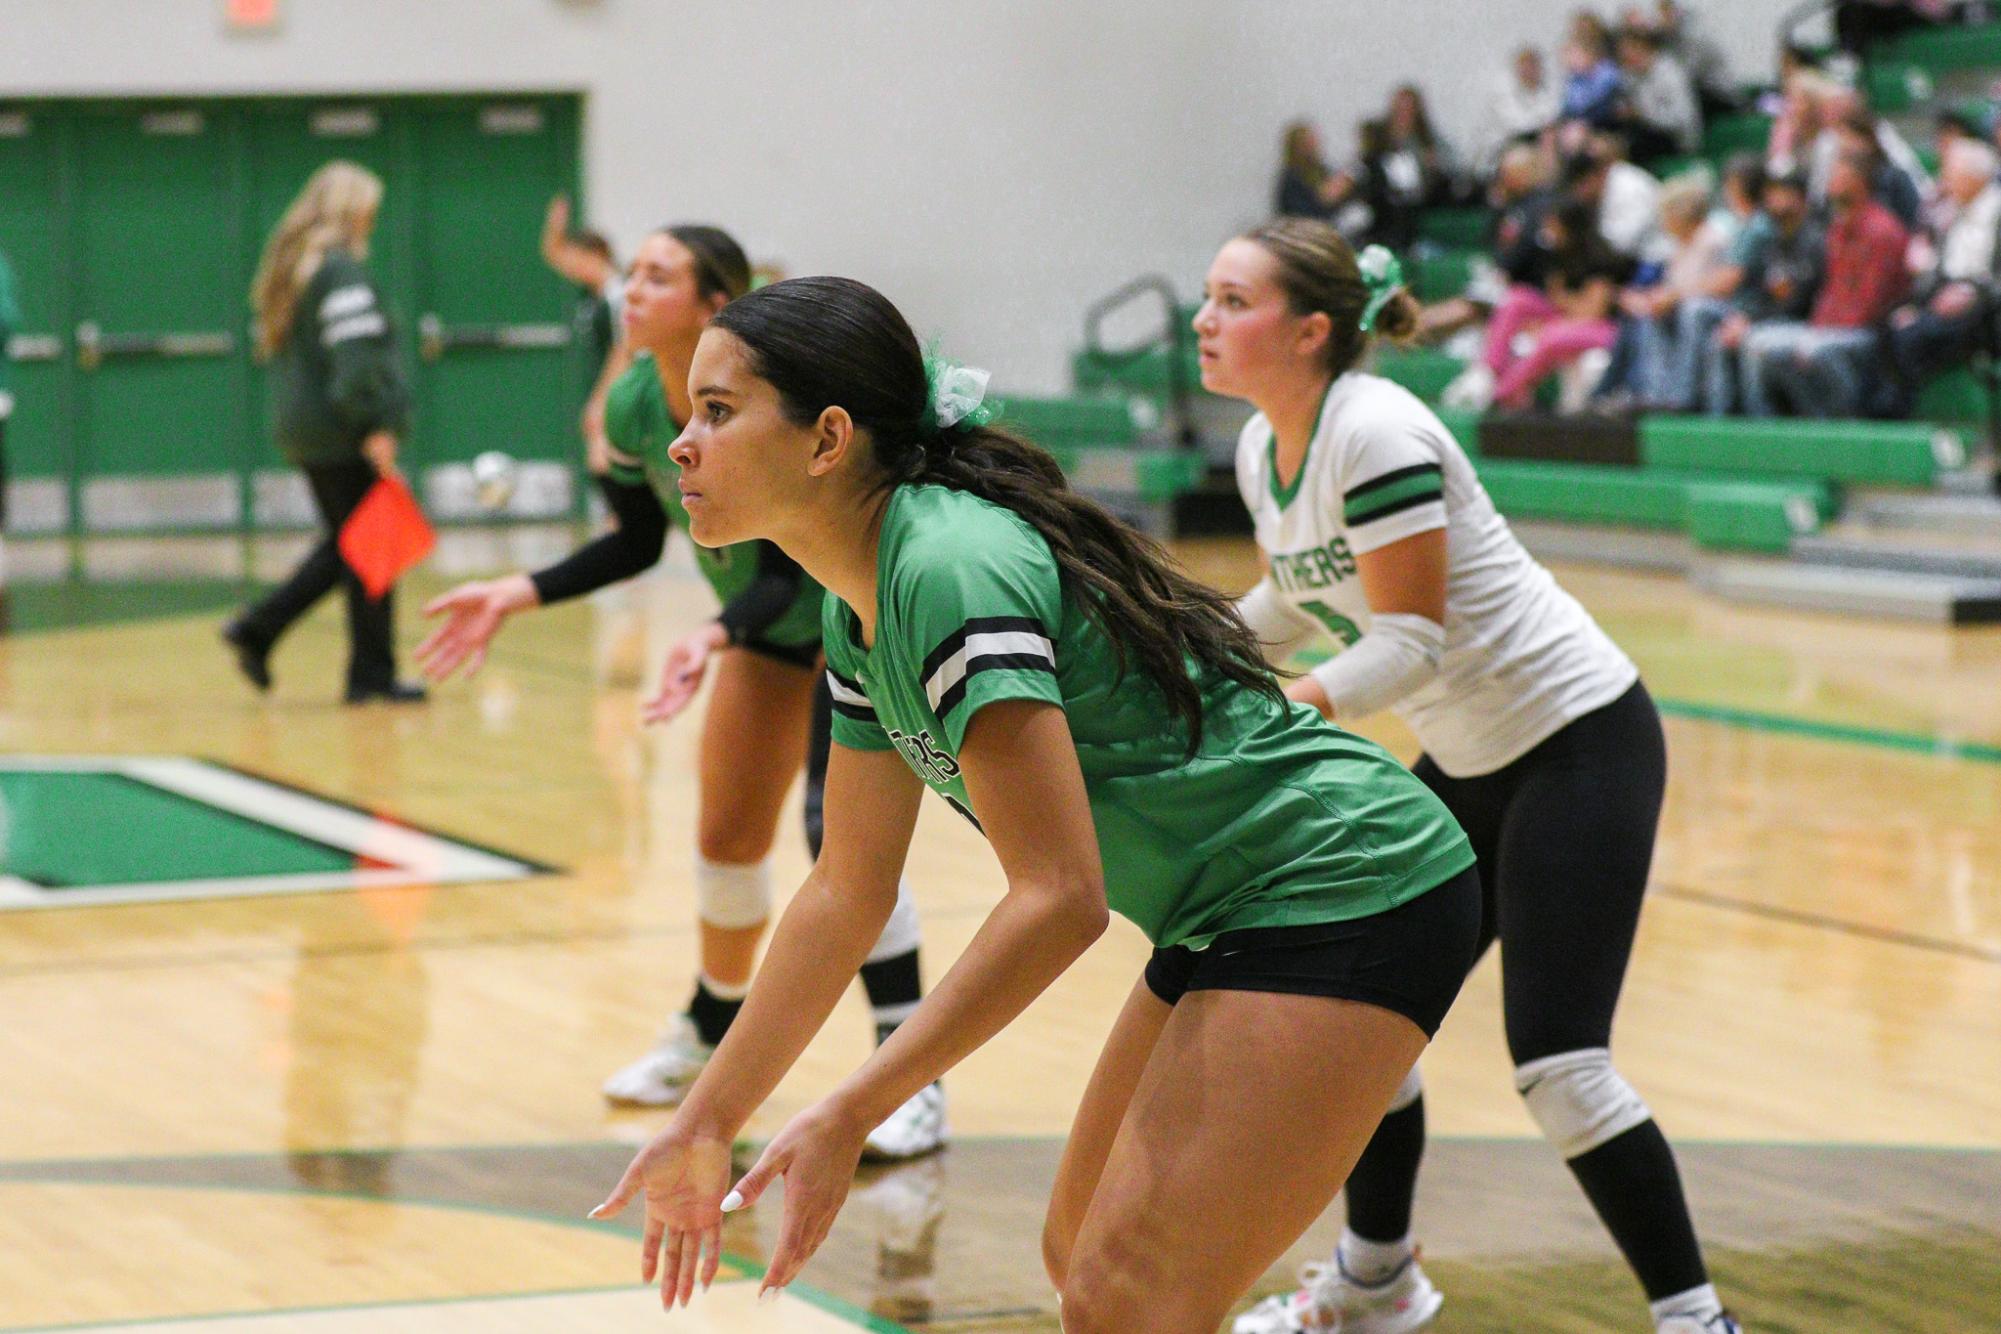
{"x": 1537, "y": 733}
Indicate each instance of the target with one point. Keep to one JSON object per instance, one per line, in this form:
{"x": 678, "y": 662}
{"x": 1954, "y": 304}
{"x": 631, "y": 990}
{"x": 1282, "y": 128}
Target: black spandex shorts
{"x": 1410, "y": 959}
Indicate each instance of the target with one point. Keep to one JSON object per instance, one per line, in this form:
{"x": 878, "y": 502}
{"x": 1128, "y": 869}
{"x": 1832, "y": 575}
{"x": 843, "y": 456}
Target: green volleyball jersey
{"x": 640, "y": 427}
{"x": 1278, "y": 819}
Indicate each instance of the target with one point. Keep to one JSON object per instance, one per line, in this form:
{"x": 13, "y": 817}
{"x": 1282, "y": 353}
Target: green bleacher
{"x": 1942, "y": 50}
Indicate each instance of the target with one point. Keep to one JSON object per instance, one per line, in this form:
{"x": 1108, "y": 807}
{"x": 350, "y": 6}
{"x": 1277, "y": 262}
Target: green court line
{"x": 1752, "y": 720}
{"x": 1919, "y": 743}
{"x": 751, "y": 1269}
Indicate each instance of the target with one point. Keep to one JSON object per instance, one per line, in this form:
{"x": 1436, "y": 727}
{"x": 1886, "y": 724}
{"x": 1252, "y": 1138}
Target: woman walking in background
{"x": 341, "y": 404}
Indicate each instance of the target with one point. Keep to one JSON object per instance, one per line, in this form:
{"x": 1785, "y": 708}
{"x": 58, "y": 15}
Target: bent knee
{"x": 728, "y": 842}
{"x": 1056, "y": 1244}
{"x": 1114, "y": 1289}
{"x": 1579, "y": 1100}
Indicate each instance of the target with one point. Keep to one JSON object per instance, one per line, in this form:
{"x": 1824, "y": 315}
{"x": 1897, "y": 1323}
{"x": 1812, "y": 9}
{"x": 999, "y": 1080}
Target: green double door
{"x": 135, "y": 229}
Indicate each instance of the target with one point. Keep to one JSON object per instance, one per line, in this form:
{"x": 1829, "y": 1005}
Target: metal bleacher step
{"x": 1975, "y": 514}
{"x": 1860, "y": 591}
{"x": 1834, "y": 552}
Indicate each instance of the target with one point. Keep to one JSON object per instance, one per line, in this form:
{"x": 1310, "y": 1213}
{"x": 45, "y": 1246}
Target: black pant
{"x": 1564, "y": 837}
{"x": 337, "y": 489}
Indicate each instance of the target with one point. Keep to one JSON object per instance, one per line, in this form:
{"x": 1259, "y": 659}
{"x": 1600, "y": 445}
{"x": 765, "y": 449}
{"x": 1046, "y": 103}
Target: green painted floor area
{"x": 66, "y": 830}
{"x": 27, "y": 608}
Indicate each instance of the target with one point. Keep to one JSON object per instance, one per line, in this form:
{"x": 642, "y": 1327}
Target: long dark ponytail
{"x": 822, "y": 342}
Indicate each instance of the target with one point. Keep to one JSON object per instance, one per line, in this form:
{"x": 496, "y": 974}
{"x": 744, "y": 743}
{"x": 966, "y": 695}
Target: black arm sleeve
{"x": 769, "y": 596}
{"x": 627, "y": 550}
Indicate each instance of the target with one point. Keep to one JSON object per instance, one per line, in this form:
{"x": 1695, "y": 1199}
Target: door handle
{"x": 35, "y": 347}
{"x": 94, "y": 346}
{"x": 435, "y": 337}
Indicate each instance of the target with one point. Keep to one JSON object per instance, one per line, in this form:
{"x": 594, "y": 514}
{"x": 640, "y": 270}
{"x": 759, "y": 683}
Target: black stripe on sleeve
{"x": 1391, "y": 478}
{"x": 978, "y": 625}
{"x": 991, "y": 662}
{"x": 855, "y": 712}
{"x": 1397, "y": 507}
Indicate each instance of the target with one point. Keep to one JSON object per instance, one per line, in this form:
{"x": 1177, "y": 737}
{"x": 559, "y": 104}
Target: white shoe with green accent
{"x": 1720, "y": 1323}
{"x": 1330, "y": 1299}
{"x": 912, "y": 1130}
{"x": 661, "y": 1077}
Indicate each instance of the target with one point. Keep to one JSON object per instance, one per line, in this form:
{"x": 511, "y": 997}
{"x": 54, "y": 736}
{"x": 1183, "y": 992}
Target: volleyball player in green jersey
{"x": 1110, "y": 726}
{"x": 768, "y": 713}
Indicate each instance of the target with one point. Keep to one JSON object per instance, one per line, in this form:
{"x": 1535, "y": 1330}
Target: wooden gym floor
{"x": 374, "y": 1106}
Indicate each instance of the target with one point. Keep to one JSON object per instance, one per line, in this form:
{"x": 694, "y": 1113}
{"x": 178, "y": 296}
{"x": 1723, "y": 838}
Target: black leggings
{"x": 337, "y": 489}
{"x": 1564, "y": 837}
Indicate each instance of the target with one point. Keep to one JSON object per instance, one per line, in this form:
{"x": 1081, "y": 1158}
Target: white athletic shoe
{"x": 661, "y": 1077}
{"x": 1328, "y": 1299}
{"x": 1721, "y": 1323}
{"x": 912, "y": 1130}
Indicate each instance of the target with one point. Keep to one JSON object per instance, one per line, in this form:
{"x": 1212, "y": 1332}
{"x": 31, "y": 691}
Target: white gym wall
{"x": 991, "y": 166}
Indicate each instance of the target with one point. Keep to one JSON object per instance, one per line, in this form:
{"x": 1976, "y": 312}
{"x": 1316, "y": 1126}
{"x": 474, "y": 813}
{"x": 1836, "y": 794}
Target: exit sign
{"x": 251, "y": 15}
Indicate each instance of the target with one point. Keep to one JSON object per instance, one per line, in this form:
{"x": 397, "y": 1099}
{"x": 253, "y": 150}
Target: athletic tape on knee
{"x": 1407, "y": 1092}
{"x": 1579, "y": 1100}
{"x": 732, "y": 895}
{"x": 899, "y": 933}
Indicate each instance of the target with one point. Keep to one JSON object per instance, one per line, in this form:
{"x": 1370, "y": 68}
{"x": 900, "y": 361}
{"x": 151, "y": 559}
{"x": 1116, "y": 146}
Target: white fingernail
{"x": 732, "y": 1201}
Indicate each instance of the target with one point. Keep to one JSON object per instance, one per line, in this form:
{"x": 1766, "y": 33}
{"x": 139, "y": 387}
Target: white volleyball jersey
{"x": 1522, "y": 657}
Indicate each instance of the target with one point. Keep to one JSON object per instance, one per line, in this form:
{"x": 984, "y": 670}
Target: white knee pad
{"x": 1579, "y": 1100}
{"x": 1407, "y": 1092}
{"x": 732, "y": 895}
{"x": 899, "y": 933}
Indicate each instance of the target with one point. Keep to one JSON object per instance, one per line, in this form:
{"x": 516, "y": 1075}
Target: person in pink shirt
{"x": 1535, "y": 334}
{"x": 1826, "y": 366}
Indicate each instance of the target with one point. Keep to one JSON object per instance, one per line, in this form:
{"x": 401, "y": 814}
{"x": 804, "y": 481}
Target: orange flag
{"x": 385, "y": 535}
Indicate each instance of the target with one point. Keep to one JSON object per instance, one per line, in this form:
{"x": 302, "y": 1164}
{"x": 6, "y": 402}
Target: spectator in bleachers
{"x": 1657, "y": 113}
{"x": 1592, "y": 83}
{"x": 1797, "y": 123}
{"x": 1520, "y": 198}
{"x": 1625, "y": 197}
{"x": 1892, "y": 186}
{"x": 1587, "y": 25}
{"x": 1844, "y": 115}
{"x": 1774, "y": 274}
{"x": 1307, "y": 187}
{"x": 1825, "y": 367}
{"x": 1956, "y": 274}
{"x": 1391, "y": 197}
{"x": 1664, "y": 325}
{"x": 1738, "y": 199}
{"x": 1420, "y": 163}
{"x": 1953, "y": 123}
{"x": 1523, "y": 103}
{"x": 1700, "y": 54}
{"x": 1536, "y": 333}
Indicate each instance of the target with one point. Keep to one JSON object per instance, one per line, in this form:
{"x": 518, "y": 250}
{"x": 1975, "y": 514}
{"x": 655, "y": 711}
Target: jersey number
{"x": 1337, "y": 625}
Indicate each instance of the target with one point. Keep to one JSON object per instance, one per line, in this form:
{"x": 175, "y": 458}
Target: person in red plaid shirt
{"x": 1823, "y": 368}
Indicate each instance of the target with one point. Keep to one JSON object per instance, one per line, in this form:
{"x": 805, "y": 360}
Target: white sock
{"x": 725, "y": 991}
{"x": 1702, "y": 1303}
{"x": 1372, "y": 1261}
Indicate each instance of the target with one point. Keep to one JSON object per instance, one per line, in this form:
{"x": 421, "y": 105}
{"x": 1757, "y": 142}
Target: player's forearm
{"x": 1027, "y": 942}
{"x": 821, "y": 942}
